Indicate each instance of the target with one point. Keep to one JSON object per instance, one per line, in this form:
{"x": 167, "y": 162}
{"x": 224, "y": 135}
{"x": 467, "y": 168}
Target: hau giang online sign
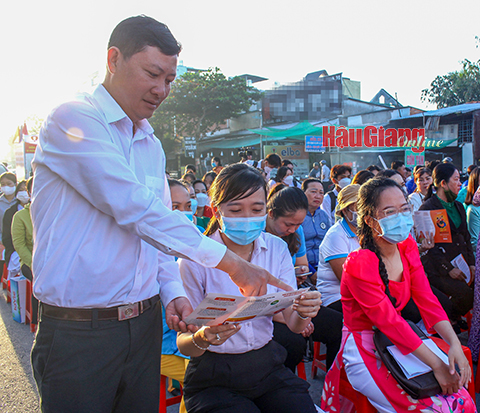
{"x": 373, "y": 137}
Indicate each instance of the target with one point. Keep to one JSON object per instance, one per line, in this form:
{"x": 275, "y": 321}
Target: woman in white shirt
{"x": 238, "y": 367}
{"x": 423, "y": 179}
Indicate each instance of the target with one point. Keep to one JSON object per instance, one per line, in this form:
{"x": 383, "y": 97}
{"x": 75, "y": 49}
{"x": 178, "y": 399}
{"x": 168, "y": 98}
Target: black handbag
{"x": 425, "y": 385}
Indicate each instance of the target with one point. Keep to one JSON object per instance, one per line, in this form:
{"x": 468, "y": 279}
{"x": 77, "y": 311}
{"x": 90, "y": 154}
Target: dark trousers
{"x": 295, "y": 344}
{"x": 460, "y": 293}
{"x": 328, "y": 325}
{"x": 252, "y": 382}
{"x": 100, "y": 365}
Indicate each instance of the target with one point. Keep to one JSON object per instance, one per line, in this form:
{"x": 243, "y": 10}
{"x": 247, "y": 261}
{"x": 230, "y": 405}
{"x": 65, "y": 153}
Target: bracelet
{"x": 302, "y": 317}
{"x": 197, "y": 346}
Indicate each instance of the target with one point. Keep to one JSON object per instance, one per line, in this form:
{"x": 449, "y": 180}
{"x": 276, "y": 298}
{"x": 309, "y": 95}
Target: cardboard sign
{"x": 435, "y": 221}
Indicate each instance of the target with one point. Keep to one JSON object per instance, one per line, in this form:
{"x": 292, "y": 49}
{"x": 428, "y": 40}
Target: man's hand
{"x": 177, "y": 310}
{"x": 250, "y": 278}
{"x": 457, "y": 274}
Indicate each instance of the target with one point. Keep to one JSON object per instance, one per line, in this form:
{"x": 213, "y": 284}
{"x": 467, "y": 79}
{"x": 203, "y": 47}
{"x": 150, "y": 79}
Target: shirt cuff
{"x": 210, "y": 252}
{"x": 171, "y": 290}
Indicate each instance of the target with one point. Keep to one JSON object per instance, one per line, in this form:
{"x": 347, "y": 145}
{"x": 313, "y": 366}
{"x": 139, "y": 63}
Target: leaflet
{"x": 216, "y": 309}
{"x": 460, "y": 263}
{"x": 435, "y": 222}
{"x": 411, "y": 365}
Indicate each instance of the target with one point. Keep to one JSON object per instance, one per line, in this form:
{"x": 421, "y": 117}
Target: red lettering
{"x": 381, "y": 134}
{"x": 342, "y": 138}
{"x": 370, "y": 136}
{"x": 328, "y": 136}
{"x": 391, "y": 137}
{"x": 354, "y": 142}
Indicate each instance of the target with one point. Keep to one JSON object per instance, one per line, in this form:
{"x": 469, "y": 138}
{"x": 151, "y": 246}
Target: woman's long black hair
{"x": 237, "y": 181}
{"x": 442, "y": 172}
{"x": 368, "y": 197}
{"x": 284, "y": 201}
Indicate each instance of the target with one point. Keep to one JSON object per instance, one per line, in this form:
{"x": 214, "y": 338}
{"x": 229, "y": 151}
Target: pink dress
{"x": 365, "y": 305}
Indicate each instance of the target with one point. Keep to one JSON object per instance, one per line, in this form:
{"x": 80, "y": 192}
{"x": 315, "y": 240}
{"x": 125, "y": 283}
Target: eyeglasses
{"x": 405, "y": 210}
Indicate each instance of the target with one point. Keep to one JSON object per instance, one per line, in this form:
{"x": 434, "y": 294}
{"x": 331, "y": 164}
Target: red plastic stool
{"x": 28, "y": 307}
{"x": 318, "y": 359}
{"x": 164, "y": 402}
{"x": 362, "y": 405}
{"x": 301, "y": 371}
{"x": 468, "y": 354}
{"x": 6, "y": 283}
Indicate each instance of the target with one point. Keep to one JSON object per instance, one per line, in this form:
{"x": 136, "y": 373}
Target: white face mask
{"x": 344, "y": 182}
{"x": 8, "y": 190}
{"x": 23, "y": 197}
{"x": 288, "y": 180}
{"x": 202, "y": 199}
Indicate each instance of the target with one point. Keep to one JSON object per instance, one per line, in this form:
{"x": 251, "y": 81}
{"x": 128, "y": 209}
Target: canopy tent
{"x": 237, "y": 142}
{"x": 300, "y": 129}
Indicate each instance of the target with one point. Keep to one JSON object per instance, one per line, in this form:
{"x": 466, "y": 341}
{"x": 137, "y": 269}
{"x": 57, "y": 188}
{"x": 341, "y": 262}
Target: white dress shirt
{"x": 269, "y": 252}
{"x": 104, "y": 234}
{"x": 327, "y": 205}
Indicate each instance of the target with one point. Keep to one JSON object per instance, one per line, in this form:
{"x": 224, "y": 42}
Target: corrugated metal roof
{"x": 452, "y": 110}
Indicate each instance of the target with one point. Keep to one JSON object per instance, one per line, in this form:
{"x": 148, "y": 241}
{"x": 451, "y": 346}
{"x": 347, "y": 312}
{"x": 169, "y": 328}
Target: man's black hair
{"x": 132, "y": 35}
{"x": 397, "y": 164}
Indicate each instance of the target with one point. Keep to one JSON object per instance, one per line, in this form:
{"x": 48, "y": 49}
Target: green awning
{"x": 239, "y": 142}
{"x": 301, "y": 129}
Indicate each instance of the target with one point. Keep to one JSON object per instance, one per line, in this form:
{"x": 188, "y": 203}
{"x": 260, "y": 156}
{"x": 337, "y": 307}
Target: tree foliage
{"x": 455, "y": 88}
{"x": 199, "y": 103}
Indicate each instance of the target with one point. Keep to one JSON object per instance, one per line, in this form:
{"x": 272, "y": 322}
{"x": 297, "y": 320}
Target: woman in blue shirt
{"x": 316, "y": 222}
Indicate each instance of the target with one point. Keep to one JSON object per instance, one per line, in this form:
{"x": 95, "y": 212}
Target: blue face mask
{"x": 194, "y": 205}
{"x": 188, "y": 214}
{"x": 243, "y": 231}
{"x": 396, "y": 228}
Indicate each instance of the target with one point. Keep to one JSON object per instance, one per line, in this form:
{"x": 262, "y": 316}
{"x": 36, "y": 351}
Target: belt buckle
{"x": 125, "y": 312}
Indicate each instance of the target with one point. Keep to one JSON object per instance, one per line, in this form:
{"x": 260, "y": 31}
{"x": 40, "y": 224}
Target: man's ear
{"x": 113, "y": 57}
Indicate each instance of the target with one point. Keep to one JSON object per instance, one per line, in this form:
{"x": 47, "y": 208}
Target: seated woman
{"x": 208, "y": 178}
{"x": 239, "y": 368}
{"x": 473, "y": 212}
{"x": 362, "y": 176}
{"x": 316, "y": 222}
{"x": 423, "y": 180}
{"x": 340, "y": 240}
{"x": 287, "y": 207}
{"x": 284, "y": 176}
{"x": 377, "y": 282}
{"x": 201, "y": 192}
{"x": 437, "y": 261}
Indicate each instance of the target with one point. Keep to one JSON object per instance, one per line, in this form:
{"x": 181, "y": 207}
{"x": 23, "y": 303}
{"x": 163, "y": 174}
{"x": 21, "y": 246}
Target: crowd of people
{"x": 326, "y": 224}
{"x": 118, "y": 251}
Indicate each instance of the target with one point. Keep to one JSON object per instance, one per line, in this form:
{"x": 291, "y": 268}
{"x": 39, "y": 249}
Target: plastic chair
{"x": 301, "y": 371}
{"x": 362, "y": 405}
{"x": 468, "y": 354}
{"x": 164, "y": 402}
{"x": 317, "y": 362}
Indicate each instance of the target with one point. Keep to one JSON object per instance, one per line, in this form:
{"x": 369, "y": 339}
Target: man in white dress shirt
{"x": 105, "y": 236}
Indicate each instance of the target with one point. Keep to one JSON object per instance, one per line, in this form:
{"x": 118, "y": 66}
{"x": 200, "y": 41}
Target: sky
{"x": 52, "y": 49}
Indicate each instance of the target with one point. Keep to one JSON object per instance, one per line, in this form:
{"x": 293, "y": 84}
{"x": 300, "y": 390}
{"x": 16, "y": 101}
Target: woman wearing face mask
{"x": 287, "y": 208}
{"x": 217, "y": 165}
{"x": 271, "y": 163}
{"x": 377, "y": 282}
{"x": 22, "y": 239}
{"x": 437, "y": 261}
{"x": 182, "y": 201}
{"x": 208, "y": 178}
{"x": 201, "y": 193}
{"x": 22, "y": 198}
{"x": 340, "y": 176}
{"x": 8, "y": 183}
{"x": 243, "y": 366}
{"x": 284, "y": 176}
{"x": 340, "y": 240}
{"x": 423, "y": 180}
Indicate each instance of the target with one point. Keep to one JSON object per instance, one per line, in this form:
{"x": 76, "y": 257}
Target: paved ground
{"x": 17, "y": 387}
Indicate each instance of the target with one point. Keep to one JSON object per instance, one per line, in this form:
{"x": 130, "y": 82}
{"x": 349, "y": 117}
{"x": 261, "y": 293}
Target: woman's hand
{"x": 215, "y": 335}
{"x": 457, "y": 356}
{"x": 308, "y": 330}
{"x": 427, "y": 242}
{"x": 450, "y": 383}
{"x": 457, "y": 274}
{"x": 308, "y": 304}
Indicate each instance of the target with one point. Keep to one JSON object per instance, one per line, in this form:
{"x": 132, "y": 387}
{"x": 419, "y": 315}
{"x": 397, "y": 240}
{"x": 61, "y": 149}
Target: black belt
{"x": 120, "y": 313}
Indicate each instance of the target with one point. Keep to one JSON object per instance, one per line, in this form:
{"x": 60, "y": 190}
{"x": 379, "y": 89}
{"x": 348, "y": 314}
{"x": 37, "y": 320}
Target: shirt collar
{"x": 346, "y": 228}
{"x": 113, "y": 111}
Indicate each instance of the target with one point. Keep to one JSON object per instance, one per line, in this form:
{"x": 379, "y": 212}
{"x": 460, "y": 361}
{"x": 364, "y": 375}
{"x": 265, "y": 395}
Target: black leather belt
{"x": 121, "y": 312}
